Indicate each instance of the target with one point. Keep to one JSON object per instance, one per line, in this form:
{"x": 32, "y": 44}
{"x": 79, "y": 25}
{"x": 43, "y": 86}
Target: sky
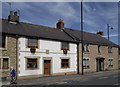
{"x": 96, "y": 15}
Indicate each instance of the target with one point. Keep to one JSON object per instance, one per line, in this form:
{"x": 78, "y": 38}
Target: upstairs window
{"x": 86, "y": 48}
{"x": 110, "y": 62}
{"x": 65, "y": 46}
{"x": 109, "y": 49}
{"x": 119, "y": 50}
{"x": 86, "y": 63}
{"x": 99, "y": 49}
{"x": 2, "y": 41}
{"x": 32, "y": 43}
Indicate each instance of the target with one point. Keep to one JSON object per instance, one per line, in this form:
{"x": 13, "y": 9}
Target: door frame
{"x": 101, "y": 60}
{"x": 47, "y": 58}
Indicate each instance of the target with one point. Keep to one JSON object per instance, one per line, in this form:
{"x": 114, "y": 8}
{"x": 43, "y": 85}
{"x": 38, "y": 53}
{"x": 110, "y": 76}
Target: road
{"x": 96, "y": 78}
{"x": 101, "y": 80}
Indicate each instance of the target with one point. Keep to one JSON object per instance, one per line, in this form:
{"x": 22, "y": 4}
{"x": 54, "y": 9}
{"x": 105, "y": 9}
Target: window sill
{"x": 65, "y": 67}
{"x": 111, "y": 66}
{"x": 86, "y": 52}
{"x": 4, "y": 49}
{"x": 86, "y": 67}
{"x": 99, "y": 53}
{"x": 32, "y": 68}
{"x": 4, "y": 69}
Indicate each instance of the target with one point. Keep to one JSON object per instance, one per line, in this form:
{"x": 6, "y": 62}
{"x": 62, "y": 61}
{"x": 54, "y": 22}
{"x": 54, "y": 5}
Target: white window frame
{"x": 1, "y": 67}
{"x": 110, "y": 62}
{"x": 109, "y": 49}
{"x": 86, "y": 47}
{"x": 86, "y": 63}
{"x": 1, "y": 48}
{"x": 68, "y": 62}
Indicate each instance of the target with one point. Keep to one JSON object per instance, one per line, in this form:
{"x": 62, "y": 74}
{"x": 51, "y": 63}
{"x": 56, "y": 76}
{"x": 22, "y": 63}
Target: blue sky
{"x": 96, "y": 15}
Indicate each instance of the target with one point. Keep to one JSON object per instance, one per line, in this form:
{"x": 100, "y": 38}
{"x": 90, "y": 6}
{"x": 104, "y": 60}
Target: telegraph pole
{"x": 82, "y": 35}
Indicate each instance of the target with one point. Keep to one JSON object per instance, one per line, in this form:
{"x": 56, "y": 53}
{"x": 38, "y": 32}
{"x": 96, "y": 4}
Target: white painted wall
{"x": 52, "y": 46}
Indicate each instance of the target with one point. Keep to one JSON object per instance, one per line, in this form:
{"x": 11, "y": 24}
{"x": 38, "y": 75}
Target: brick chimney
{"x": 100, "y": 33}
{"x": 60, "y": 24}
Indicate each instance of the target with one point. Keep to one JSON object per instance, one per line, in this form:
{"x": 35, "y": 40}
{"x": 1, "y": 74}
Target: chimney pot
{"x": 100, "y": 33}
{"x": 60, "y": 24}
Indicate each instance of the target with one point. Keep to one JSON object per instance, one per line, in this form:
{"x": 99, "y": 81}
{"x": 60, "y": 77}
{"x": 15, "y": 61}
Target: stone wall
{"x": 93, "y": 54}
{"x": 10, "y": 52}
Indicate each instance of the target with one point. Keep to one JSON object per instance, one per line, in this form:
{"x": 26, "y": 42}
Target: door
{"x": 100, "y": 65}
{"x": 47, "y": 67}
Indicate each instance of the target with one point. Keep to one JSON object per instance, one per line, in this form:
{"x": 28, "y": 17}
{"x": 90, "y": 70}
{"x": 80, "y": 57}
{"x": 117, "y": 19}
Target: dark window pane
{"x": 2, "y": 41}
{"x": 0, "y": 63}
{"x": 5, "y": 63}
{"x": 33, "y": 43}
{"x": 31, "y": 63}
{"x": 65, "y": 45}
{"x": 98, "y": 48}
{"x": 65, "y": 63}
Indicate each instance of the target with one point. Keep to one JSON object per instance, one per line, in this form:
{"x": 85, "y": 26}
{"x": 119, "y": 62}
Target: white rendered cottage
{"x": 39, "y": 56}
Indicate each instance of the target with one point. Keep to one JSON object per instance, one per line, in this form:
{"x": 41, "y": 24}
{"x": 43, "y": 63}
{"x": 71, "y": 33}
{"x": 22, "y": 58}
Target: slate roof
{"x": 33, "y": 30}
{"x": 89, "y": 37}
{"x": 44, "y": 32}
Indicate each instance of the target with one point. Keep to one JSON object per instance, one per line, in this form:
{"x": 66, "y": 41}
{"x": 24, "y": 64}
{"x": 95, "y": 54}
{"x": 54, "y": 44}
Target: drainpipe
{"x": 78, "y": 63}
{"x": 16, "y": 57}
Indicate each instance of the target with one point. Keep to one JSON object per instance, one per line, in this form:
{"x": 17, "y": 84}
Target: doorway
{"x": 100, "y": 64}
{"x": 47, "y": 67}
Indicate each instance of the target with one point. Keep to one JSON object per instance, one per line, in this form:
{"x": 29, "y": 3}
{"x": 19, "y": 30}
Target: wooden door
{"x": 47, "y": 67}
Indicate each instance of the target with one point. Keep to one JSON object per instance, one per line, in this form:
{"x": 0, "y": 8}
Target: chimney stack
{"x": 100, "y": 33}
{"x": 60, "y": 24}
{"x": 13, "y": 17}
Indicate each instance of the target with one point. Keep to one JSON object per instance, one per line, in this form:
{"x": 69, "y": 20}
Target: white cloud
{"x": 112, "y": 35}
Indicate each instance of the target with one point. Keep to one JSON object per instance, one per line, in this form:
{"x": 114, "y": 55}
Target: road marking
{"x": 102, "y": 77}
{"x": 62, "y": 83}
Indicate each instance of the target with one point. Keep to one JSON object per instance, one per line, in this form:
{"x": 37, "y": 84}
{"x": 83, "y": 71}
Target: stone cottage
{"x": 35, "y": 50}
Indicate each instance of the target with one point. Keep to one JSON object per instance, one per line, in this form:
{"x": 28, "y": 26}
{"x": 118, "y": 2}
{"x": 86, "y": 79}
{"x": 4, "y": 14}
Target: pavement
{"x": 51, "y": 80}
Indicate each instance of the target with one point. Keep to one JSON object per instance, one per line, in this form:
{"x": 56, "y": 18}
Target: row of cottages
{"x": 35, "y": 50}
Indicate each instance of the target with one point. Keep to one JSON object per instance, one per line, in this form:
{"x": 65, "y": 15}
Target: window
{"x": 2, "y": 41}
{"x": 33, "y": 43}
{"x": 109, "y": 49}
{"x": 65, "y": 45}
{"x": 64, "y": 63}
{"x": 99, "y": 48}
{"x": 5, "y": 63}
{"x": 86, "y": 49}
{"x": 110, "y": 62}
{"x": 86, "y": 63}
{"x": 119, "y": 50}
{"x": 31, "y": 63}
{"x": 0, "y": 63}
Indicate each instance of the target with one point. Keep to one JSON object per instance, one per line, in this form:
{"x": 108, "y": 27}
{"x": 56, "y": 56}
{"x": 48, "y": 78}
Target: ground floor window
{"x": 110, "y": 62}
{"x": 0, "y": 63}
{"x": 86, "y": 63}
{"x": 64, "y": 63}
{"x": 32, "y": 63}
{"x": 4, "y": 63}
